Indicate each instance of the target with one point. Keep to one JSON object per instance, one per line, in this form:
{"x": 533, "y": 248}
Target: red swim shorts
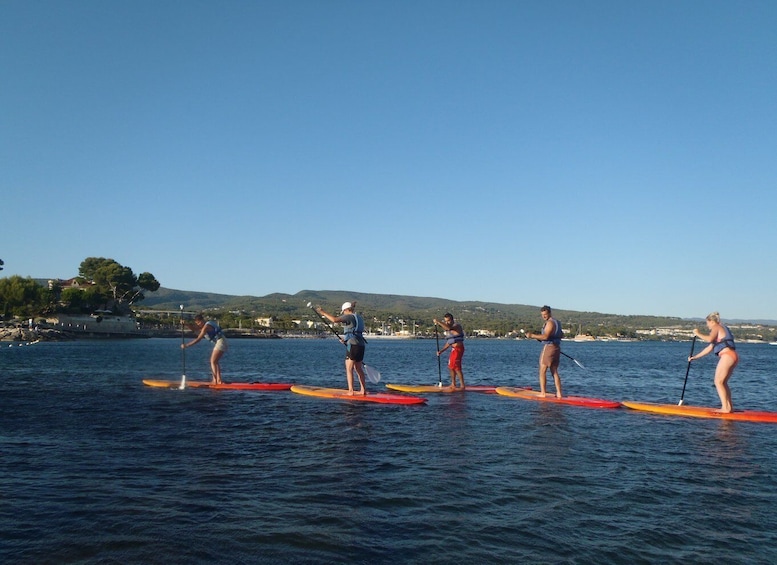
{"x": 454, "y": 361}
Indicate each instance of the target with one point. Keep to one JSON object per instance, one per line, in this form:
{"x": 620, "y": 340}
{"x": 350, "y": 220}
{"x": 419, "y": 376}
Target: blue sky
{"x": 604, "y": 156}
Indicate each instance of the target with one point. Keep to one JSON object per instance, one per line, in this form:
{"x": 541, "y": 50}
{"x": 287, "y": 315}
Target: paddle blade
{"x": 578, "y": 363}
{"x": 183, "y": 382}
{"x": 372, "y": 374}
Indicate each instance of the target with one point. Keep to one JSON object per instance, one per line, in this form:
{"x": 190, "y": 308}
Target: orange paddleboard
{"x": 571, "y": 400}
{"x": 342, "y": 394}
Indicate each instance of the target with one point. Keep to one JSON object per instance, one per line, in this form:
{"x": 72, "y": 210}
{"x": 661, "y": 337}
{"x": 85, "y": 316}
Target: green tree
{"x": 21, "y": 296}
{"x": 115, "y": 281}
{"x": 73, "y": 299}
{"x": 146, "y": 281}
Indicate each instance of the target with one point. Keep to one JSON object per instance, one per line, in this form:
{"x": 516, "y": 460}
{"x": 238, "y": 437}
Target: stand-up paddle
{"x": 439, "y": 367}
{"x": 326, "y": 322}
{"x": 372, "y": 374}
{"x": 183, "y": 356}
{"x": 578, "y": 363}
{"x": 687, "y": 370}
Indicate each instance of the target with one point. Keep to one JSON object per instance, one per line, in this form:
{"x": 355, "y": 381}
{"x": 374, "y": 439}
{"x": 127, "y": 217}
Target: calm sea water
{"x": 97, "y": 468}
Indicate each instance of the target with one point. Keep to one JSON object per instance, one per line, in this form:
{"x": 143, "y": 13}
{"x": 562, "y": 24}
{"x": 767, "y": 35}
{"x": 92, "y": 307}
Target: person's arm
{"x": 326, "y": 315}
{"x": 547, "y": 331}
{"x": 332, "y": 319}
{"x": 711, "y": 339}
{"x": 708, "y": 338}
{"x": 447, "y": 328}
{"x": 198, "y": 339}
{"x": 701, "y": 353}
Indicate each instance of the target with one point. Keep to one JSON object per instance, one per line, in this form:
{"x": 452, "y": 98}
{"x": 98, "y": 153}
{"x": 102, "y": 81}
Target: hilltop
{"x": 473, "y": 314}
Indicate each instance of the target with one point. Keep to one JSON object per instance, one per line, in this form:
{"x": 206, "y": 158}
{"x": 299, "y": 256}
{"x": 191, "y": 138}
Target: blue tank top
{"x": 727, "y": 341}
{"x": 555, "y": 337}
{"x": 353, "y": 328}
{"x": 453, "y": 339}
{"x": 212, "y": 331}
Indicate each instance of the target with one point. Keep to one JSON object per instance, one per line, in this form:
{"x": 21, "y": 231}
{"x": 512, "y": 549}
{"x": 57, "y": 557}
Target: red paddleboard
{"x": 342, "y": 394}
{"x": 702, "y": 412}
{"x": 222, "y": 386}
{"x": 571, "y": 400}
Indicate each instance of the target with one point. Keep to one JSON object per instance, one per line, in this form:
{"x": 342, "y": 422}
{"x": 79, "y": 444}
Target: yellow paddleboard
{"x": 223, "y": 386}
{"x": 342, "y": 394}
{"x": 702, "y": 412}
{"x": 435, "y": 388}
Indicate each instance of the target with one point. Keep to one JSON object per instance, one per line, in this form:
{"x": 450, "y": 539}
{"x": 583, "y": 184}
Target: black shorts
{"x": 354, "y": 352}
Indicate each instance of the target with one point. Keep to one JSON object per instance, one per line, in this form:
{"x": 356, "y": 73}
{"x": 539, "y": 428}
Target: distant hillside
{"x": 384, "y": 306}
{"x": 170, "y": 299}
{"x": 401, "y": 311}
{"x": 277, "y": 303}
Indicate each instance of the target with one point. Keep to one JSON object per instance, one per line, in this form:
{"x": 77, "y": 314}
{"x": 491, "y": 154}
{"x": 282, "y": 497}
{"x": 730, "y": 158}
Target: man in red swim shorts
{"x": 454, "y": 334}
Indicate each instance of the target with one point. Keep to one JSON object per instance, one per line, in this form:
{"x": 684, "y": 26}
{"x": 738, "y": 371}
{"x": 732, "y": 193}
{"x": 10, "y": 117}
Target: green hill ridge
{"x": 502, "y": 318}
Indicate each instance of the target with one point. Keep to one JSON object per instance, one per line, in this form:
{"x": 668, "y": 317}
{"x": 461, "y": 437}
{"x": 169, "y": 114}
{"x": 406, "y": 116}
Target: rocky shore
{"x": 27, "y": 335}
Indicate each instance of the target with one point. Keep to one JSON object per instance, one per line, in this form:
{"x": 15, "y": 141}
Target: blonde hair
{"x": 714, "y": 317}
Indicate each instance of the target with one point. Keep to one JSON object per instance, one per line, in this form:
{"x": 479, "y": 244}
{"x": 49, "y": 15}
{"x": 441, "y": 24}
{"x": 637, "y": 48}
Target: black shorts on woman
{"x": 354, "y": 352}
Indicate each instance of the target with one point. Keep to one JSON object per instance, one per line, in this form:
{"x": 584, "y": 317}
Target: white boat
{"x": 369, "y": 336}
{"x": 582, "y": 337}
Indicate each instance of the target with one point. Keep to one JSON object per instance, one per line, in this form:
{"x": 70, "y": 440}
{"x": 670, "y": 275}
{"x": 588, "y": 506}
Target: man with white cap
{"x": 353, "y": 330}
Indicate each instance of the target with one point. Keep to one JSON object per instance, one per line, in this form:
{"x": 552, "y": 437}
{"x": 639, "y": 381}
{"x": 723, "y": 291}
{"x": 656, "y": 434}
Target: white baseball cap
{"x": 346, "y": 306}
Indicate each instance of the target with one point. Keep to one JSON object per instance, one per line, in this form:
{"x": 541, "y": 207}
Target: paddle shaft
{"x": 183, "y": 350}
{"x": 328, "y": 325}
{"x": 578, "y": 363}
{"x": 183, "y": 354}
{"x": 687, "y": 370}
{"x": 439, "y": 366}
